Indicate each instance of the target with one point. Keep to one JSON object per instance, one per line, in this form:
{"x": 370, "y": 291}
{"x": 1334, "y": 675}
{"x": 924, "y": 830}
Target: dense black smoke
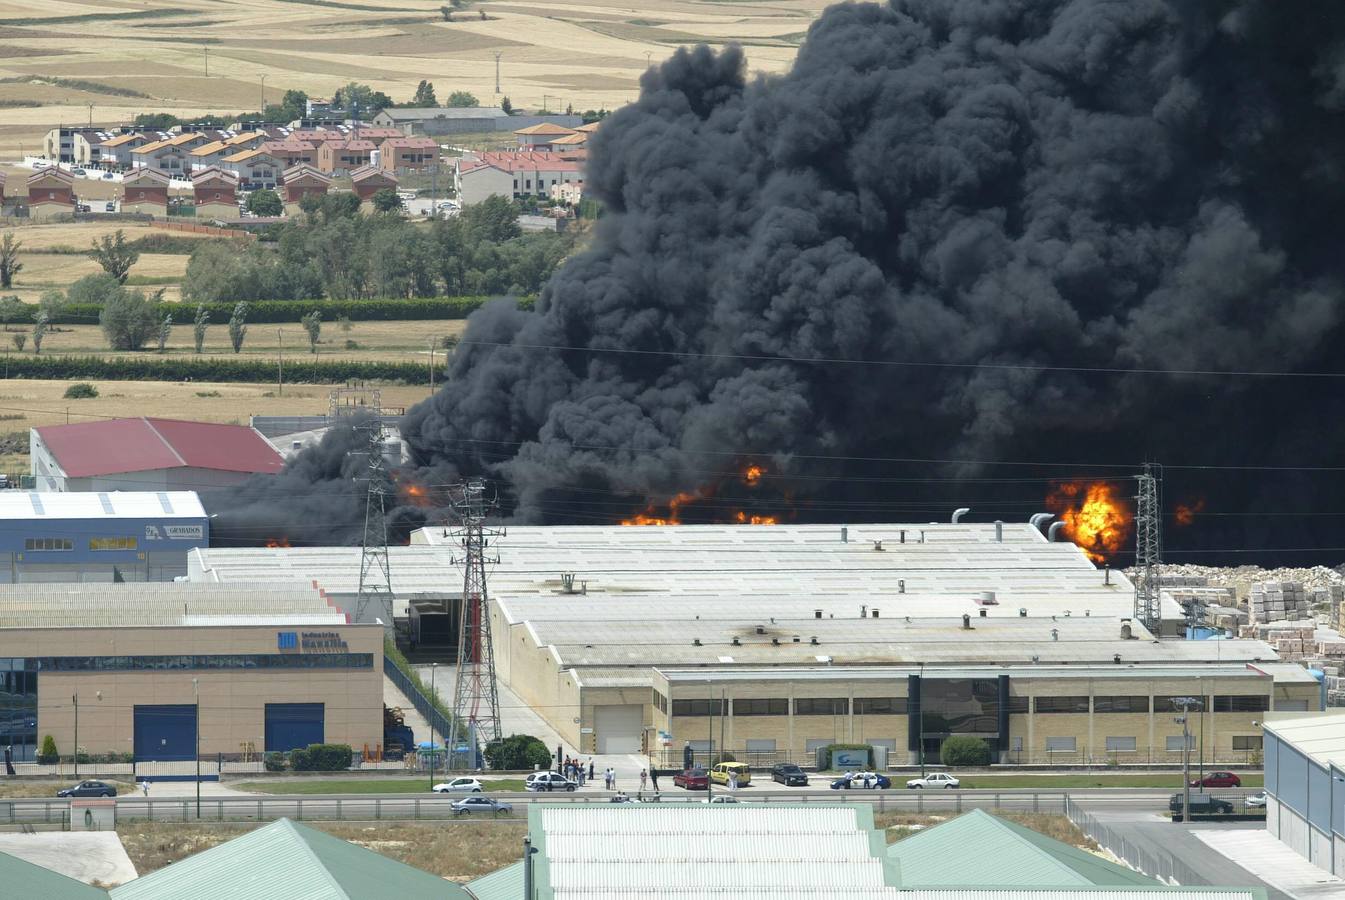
{"x": 801, "y": 270}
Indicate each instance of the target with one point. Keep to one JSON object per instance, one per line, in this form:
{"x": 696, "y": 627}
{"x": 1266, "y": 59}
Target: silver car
{"x": 478, "y": 804}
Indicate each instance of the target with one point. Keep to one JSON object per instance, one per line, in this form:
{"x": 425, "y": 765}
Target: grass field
{"x": 78, "y": 60}
{"x": 367, "y": 786}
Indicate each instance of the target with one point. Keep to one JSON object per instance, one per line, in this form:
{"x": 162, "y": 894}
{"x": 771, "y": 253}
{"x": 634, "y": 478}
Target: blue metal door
{"x": 165, "y": 732}
{"x": 291, "y": 726}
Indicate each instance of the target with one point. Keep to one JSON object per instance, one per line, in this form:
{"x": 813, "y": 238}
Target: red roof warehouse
{"x": 148, "y": 454}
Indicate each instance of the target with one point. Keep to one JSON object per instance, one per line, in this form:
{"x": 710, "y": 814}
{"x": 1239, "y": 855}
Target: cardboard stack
{"x": 1278, "y": 601}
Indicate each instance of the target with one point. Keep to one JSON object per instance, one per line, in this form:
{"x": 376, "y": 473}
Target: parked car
{"x": 692, "y": 780}
{"x": 1218, "y": 779}
{"x": 1256, "y": 801}
{"x": 789, "y": 774}
{"x": 469, "y": 805}
{"x": 934, "y": 780}
{"x": 860, "y": 780}
{"x": 1206, "y": 804}
{"x": 110, "y": 206}
{"x": 83, "y": 207}
{"x": 459, "y": 786}
{"x": 721, "y": 772}
{"x": 549, "y": 781}
{"x": 108, "y": 176}
{"x": 89, "y": 789}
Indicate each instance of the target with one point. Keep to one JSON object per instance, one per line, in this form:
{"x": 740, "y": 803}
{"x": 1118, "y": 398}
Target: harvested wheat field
{"x": 122, "y": 58}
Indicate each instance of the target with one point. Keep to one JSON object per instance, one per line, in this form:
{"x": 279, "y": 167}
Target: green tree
{"x": 115, "y": 255}
{"x": 265, "y": 203}
{"x": 312, "y": 322}
{"x": 447, "y": 13}
{"x": 155, "y": 121}
{"x": 964, "y": 750}
{"x": 12, "y": 309}
{"x": 80, "y": 390}
{"x": 507, "y": 106}
{"x": 20, "y": 341}
{"x": 295, "y": 104}
{"x": 199, "y": 325}
{"x": 494, "y": 219}
{"x": 93, "y": 289}
{"x": 424, "y": 95}
{"x": 40, "y": 325}
{"x": 128, "y": 319}
{"x": 386, "y": 200}
{"x": 9, "y": 260}
{"x": 53, "y": 303}
{"x": 237, "y": 329}
{"x": 165, "y": 331}
{"x": 518, "y": 752}
{"x": 47, "y": 755}
{"x": 462, "y": 100}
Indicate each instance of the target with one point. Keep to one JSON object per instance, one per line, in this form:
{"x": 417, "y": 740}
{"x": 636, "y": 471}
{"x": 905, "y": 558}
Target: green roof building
{"x": 29, "y": 880}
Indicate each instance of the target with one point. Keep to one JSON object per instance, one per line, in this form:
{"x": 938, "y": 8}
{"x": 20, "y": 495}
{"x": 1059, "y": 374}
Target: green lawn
{"x": 366, "y": 786}
{"x": 1087, "y": 780}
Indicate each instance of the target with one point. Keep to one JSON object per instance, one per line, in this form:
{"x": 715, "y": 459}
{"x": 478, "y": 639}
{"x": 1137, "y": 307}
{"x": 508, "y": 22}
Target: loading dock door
{"x": 618, "y": 728}
{"x": 165, "y": 732}
{"x": 293, "y": 726}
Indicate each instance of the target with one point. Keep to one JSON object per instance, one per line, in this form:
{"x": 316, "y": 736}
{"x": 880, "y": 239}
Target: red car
{"x": 1218, "y": 779}
{"x": 692, "y": 780}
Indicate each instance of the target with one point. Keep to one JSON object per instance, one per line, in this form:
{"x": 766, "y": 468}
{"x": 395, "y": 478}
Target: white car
{"x": 459, "y": 786}
{"x": 549, "y": 781}
{"x": 1257, "y": 800}
{"x": 935, "y": 780}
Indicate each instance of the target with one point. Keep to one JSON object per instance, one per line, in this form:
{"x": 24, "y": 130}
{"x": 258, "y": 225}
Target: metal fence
{"x": 437, "y": 721}
{"x": 1154, "y": 862}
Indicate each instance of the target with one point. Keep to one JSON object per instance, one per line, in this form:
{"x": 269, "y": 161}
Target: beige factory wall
{"x": 232, "y": 701}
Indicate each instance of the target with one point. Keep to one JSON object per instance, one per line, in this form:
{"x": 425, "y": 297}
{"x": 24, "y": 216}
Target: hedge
{"x": 282, "y": 311}
{"x": 322, "y": 758}
{"x": 965, "y": 750}
{"x": 149, "y": 368}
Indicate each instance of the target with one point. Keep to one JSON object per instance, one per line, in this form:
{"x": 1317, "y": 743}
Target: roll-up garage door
{"x": 618, "y": 728}
{"x": 291, "y": 726}
{"x": 165, "y": 732}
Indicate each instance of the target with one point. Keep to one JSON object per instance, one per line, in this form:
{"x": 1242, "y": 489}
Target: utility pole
{"x": 476, "y": 701}
{"x": 90, "y": 115}
{"x": 434, "y": 699}
{"x": 196, "y": 693}
{"x": 375, "y": 574}
{"x": 207, "y": 60}
{"x": 280, "y": 364}
{"x": 1148, "y": 548}
{"x": 498, "y": 54}
{"x": 710, "y": 745}
{"x": 261, "y": 110}
{"x": 75, "y": 699}
{"x": 432, "y": 343}
{"x": 1186, "y": 704}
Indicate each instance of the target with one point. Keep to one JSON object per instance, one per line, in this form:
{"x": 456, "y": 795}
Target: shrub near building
{"x": 963, "y": 750}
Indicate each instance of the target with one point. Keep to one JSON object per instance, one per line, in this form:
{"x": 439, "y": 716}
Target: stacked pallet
{"x": 1278, "y": 601}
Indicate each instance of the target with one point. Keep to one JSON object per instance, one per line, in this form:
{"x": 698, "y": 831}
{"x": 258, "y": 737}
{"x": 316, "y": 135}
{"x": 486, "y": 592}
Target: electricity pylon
{"x": 476, "y": 700}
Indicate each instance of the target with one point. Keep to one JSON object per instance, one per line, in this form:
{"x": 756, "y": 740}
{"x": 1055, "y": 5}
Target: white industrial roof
{"x": 152, "y": 604}
{"x": 1319, "y": 736}
{"x": 888, "y": 674}
{"x": 101, "y": 505}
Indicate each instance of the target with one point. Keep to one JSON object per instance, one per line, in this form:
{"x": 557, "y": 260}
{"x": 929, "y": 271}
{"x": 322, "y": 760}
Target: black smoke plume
{"x": 867, "y": 260}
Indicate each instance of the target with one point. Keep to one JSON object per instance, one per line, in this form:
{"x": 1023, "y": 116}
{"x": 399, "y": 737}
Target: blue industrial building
{"x": 1305, "y": 786}
{"x": 98, "y": 536}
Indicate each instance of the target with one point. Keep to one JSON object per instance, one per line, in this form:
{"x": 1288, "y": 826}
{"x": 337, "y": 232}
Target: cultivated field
{"x": 210, "y": 56}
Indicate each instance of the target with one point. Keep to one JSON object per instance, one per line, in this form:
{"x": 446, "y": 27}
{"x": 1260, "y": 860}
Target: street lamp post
{"x": 710, "y": 753}
{"x": 1186, "y": 704}
{"x": 434, "y": 709}
{"x": 261, "y": 112}
{"x": 75, "y": 700}
{"x": 196, "y": 693}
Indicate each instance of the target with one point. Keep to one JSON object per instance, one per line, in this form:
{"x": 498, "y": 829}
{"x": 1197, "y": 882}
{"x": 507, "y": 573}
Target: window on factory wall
{"x": 1120, "y": 704}
{"x": 959, "y": 706}
{"x": 1060, "y": 745}
{"x": 112, "y": 543}
{"x": 40, "y": 544}
{"x": 1247, "y": 741}
{"x": 1250, "y": 703}
{"x": 761, "y": 707}
{"x": 1174, "y": 742}
{"x": 697, "y": 708}
{"x": 1018, "y": 705}
{"x": 880, "y": 706}
{"x": 818, "y": 706}
{"x": 183, "y": 662}
{"x": 1120, "y": 744}
{"x": 1164, "y": 704}
{"x": 1062, "y": 704}
{"x": 660, "y": 702}
{"x": 18, "y": 711}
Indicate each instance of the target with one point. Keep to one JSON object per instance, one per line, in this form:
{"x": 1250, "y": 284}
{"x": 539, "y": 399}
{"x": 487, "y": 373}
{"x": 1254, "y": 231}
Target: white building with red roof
{"x": 147, "y": 454}
{"x": 513, "y": 174}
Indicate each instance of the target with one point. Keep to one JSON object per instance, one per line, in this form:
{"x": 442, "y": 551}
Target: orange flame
{"x": 743, "y": 518}
{"x": 1185, "y": 514}
{"x": 1095, "y": 518}
{"x": 275, "y": 543}
{"x": 415, "y": 495}
{"x": 652, "y": 515}
{"x": 752, "y": 475}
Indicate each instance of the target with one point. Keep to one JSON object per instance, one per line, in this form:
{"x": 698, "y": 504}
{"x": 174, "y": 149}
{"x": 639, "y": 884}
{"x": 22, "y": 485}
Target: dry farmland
{"x": 76, "y": 61}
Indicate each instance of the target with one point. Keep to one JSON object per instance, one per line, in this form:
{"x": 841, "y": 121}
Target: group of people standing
{"x": 573, "y": 768}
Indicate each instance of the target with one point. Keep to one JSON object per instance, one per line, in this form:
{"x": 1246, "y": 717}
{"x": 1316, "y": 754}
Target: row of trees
{"x": 339, "y": 254}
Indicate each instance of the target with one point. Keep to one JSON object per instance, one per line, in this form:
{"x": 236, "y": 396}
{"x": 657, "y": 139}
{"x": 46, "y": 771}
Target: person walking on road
{"x": 733, "y": 780}
{"x": 644, "y": 776}
{"x": 144, "y": 787}
{"x": 653, "y": 779}
{"x": 590, "y": 768}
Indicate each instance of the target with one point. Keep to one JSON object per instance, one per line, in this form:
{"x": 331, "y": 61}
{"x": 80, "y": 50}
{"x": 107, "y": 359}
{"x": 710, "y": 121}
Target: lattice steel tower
{"x": 375, "y": 573}
{"x": 1148, "y": 547}
{"x": 476, "y": 701}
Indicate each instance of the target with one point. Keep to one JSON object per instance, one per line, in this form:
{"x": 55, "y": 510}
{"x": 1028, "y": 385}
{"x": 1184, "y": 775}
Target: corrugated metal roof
{"x": 143, "y": 444}
{"x": 288, "y": 861}
{"x": 88, "y": 505}
{"x": 24, "y": 879}
{"x": 502, "y": 884}
{"x": 154, "y": 604}
{"x": 980, "y": 850}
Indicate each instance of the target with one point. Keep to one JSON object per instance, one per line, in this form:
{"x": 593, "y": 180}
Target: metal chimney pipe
{"x": 1039, "y": 519}
{"x": 999, "y": 532}
{"x": 1053, "y": 533}
{"x": 959, "y": 513}
{"x": 845, "y": 535}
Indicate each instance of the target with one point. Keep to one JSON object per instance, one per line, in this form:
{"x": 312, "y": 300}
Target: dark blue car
{"x": 857, "y": 781}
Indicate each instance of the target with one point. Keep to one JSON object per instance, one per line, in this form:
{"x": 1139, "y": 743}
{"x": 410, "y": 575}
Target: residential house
{"x": 75, "y": 146}
{"x": 173, "y": 159}
{"x": 376, "y": 134}
{"x": 541, "y": 136}
{"x": 117, "y": 151}
{"x": 291, "y": 152}
{"x": 435, "y": 120}
{"x": 256, "y": 169}
{"x": 343, "y": 157}
{"x": 316, "y": 136}
{"x": 51, "y": 193}
{"x": 208, "y": 155}
{"x": 369, "y": 180}
{"x": 145, "y": 191}
{"x": 590, "y": 128}
{"x": 216, "y": 194}
{"x": 247, "y": 140}
{"x": 408, "y": 154}
{"x": 303, "y": 181}
{"x": 575, "y": 140}
{"x": 569, "y": 193}
{"x": 513, "y": 174}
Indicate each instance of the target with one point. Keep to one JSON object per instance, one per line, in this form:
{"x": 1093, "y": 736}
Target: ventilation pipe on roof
{"x": 813, "y": 640}
{"x": 901, "y": 585}
{"x": 1022, "y": 612}
{"x": 1039, "y": 519}
{"x": 845, "y": 535}
{"x": 817, "y": 614}
{"x": 1087, "y": 613}
{"x": 959, "y": 513}
{"x": 567, "y": 582}
{"x": 1116, "y": 658}
{"x": 1053, "y": 533}
{"x": 966, "y": 621}
{"x": 922, "y": 535}
{"x": 696, "y": 642}
{"x": 874, "y": 612}
{"x": 775, "y": 642}
{"x": 1127, "y": 633}
{"x": 999, "y": 532}
{"x": 1055, "y": 634}
{"x": 902, "y": 534}
{"x": 1106, "y": 574}
{"x": 761, "y": 629}
{"x": 983, "y": 613}
{"x": 863, "y": 610}
{"x": 796, "y": 638}
{"x": 878, "y": 545}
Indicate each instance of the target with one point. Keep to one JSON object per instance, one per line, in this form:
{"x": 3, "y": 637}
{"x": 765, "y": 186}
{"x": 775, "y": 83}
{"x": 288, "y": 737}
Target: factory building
{"x": 157, "y": 670}
{"x": 1305, "y": 786}
{"x": 774, "y": 640}
{"x": 98, "y": 537}
{"x": 146, "y": 454}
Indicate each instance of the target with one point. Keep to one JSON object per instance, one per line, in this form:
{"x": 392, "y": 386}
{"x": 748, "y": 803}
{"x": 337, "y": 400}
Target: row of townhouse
{"x": 515, "y": 174}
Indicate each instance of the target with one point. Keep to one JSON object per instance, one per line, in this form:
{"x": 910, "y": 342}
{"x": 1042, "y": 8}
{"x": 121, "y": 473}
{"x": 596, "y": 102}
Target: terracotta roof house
{"x": 256, "y": 169}
{"x": 541, "y": 135}
{"x": 292, "y": 152}
{"x": 341, "y": 157}
{"x": 216, "y": 193}
{"x": 407, "y": 154}
{"x": 117, "y": 150}
{"x": 207, "y": 155}
{"x": 51, "y": 193}
{"x": 368, "y": 181}
{"x": 145, "y": 191}
{"x": 303, "y": 181}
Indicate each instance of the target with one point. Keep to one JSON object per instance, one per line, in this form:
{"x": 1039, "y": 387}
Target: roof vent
{"x": 567, "y": 582}
{"x": 761, "y": 629}
{"x": 736, "y": 642}
{"x": 796, "y": 638}
{"x": 1127, "y": 633}
{"x": 1022, "y": 612}
{"x": 863, "y": 610}
{"x": 999, "y": 532}
{"x": 1116, "y": 658}
{"x": 983, "y": 613}
{"x": 1053, "y": 533}
{"x": 813, "y": 640}
{"x": 959, "y": 513}
{"x": 1055, "y": 634}
{"x": 775, "y": 642}
{"x": 1067, "y": 614}
{"x": 1087, "y": 613}
{"x": 696, "y": 642}
{"x": 901, "y": 585}
{"x": 845, "y": 535}
{"x": 987, "y": 598}
{"x": 966, "y": 621}
{"x": 1106, "y": 574}
{"x": 874, "y": 612}
{"x": 903, "y": 535}
{"x": 817, "y": 614}
{"x": 922, "y": 535}
{"x": 878, "y": 545}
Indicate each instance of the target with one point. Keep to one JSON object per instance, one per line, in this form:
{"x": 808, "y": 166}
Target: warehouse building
{"x": 146, "y": 454}
{"x": 1305, "y": 786}
{"x": 98, "y": 537}
{"x": 157, "y": 670}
